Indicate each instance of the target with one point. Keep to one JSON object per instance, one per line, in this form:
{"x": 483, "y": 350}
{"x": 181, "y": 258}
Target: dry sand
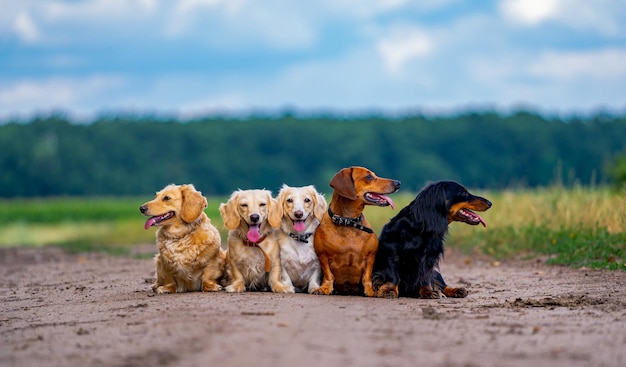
{"x": 98, "y": 310}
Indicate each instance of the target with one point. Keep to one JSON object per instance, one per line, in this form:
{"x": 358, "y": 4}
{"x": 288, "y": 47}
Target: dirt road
{"x": 98, "y": 310}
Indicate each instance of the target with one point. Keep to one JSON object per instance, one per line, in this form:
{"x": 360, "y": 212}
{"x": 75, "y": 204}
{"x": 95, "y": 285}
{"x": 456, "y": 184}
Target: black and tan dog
{"x": 412, "y": 243}
{"x": 344, "y": 242}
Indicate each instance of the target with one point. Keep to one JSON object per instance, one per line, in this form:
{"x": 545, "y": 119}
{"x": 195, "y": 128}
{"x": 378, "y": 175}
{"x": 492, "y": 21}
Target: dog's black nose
{"x": 143, "y": 209}
{"x": 254, "y": 218}
{"x": 299, "y": 214}
{"x": 488, "y": 203}
{"x": 396, "y": 184}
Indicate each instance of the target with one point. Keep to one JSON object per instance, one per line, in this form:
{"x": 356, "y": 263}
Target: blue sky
{"x": 195, "y": 57}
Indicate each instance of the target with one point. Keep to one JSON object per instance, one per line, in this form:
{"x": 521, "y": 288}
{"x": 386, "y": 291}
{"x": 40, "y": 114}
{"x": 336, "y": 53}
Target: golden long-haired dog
{"x": 344, "y": 242}
{"x": 253, "y": 260}
{"x": 302, "y": 208}
{"x": 190, "y": 256}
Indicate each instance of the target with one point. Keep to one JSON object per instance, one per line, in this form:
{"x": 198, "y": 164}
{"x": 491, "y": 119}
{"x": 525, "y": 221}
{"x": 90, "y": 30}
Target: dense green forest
{"x": 134, "y": 155}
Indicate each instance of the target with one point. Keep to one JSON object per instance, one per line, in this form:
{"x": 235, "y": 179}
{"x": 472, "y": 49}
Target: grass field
{"x": 577, "y": 227}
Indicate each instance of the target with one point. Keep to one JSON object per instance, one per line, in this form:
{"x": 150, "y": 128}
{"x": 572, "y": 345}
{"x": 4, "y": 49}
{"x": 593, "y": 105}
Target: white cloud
{"x": 26, "y": 28}
{"x": 402, "y": 45}
{"x": 529, "y": 11}
{"x": 26, "y": 96}
{"x": 240, "y": 24}
{"x": 189, "y": 6}
{"x": 242, "y": 54}
{"x": 599, "y": 16}
{"x": 95, "y": 10}
{"x": 606, "y": 64}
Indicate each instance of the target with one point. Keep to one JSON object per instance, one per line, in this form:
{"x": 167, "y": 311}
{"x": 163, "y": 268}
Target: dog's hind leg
{"x": 440, "y": 285}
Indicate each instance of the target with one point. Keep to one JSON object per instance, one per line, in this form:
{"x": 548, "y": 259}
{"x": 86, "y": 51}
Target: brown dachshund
{"x": 344, "y": 242}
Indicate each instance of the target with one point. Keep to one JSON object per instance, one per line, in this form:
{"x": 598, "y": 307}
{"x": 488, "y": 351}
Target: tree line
{"x": 137, "y": 155}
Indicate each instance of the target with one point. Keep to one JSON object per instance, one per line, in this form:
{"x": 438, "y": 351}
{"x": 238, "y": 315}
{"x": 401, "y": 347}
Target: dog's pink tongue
{"x": 149, "y": 223}
{"x": 388, "y": 199}
{"x": 253, "y": 234}
{"x": 298, "y": 225}
{"x": 482, "y": 221}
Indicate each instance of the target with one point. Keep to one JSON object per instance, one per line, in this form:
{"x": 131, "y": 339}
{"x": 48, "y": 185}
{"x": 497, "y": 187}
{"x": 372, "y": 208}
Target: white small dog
{"x": 302, "y": 209}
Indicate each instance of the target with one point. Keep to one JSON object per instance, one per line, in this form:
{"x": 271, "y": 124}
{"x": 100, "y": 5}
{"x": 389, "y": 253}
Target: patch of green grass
{"x": 114, "y": 236}
{"x": 55, "y": 210}
{"x": 59, "y": 209}
{"x": 111, "y": 225}
{"x": 576, "y": 247}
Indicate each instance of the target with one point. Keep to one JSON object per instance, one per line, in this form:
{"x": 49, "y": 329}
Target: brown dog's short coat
{"x": 344, "y": 242}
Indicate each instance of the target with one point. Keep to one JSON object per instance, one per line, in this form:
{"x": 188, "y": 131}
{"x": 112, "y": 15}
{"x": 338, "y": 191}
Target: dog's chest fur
{"x": 251, "y": 263}
{"x": 182, "y": 255}
{"x": 299, "y": 259}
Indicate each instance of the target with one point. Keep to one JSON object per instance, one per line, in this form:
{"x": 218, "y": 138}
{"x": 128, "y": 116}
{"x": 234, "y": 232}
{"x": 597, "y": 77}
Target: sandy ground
{"x": 98, "y": 310}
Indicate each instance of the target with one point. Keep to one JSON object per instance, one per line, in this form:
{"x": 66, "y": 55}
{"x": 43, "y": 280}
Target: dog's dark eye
{"x": 262, "y": 204}
{"x": 166, "y": 198}
{"x": 244, "y": 205}
{"x": 369, "y": 177}
{"x": 307, "y": 200}
{"x": 290, "y": 200}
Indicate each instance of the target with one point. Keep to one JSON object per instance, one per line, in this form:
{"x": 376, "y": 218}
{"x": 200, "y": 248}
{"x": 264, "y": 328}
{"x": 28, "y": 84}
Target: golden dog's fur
{"x": 190, "y": 257}
{"x": 253, "y": 259}
{"x": 302, "y": 208}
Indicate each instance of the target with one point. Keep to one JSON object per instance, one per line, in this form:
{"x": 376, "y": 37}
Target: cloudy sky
{"x": 193, "y": 57}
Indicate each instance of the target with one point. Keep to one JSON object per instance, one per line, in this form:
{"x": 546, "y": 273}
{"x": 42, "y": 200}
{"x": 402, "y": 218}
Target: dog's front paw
{"x": 282, "y": 288}
{"x": 323, "y": 290}
{"x": 455, "y": 292}
{"x": 235, "y": 288}
{"x": 163, "y": 289}
{"x": 428, "y": 293}
{"x": 387, "y": 290}
{"x": 211, "y": 287}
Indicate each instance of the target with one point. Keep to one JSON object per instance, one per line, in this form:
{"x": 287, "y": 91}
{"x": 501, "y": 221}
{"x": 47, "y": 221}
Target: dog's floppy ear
{"x": 430, "y": 207}
{"x": 319, "y": 204}
{"x": 274, "y": 212}
{"x": 193, "y": 203}
{"x": 343, "y": 184}
{"x": 229, "y": 213}
{"x": 281, "y": 195}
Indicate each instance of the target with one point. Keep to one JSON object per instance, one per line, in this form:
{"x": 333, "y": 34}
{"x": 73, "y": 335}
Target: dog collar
{"x": 304, "y": 238}
{"x": 249, "y": 243}
{"x": 348, "y": 222}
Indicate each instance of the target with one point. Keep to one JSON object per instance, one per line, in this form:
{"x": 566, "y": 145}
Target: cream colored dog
{"x": 190, "y": 257}
{"x": 253, "y": 260}
{"x": 302, "y": 208}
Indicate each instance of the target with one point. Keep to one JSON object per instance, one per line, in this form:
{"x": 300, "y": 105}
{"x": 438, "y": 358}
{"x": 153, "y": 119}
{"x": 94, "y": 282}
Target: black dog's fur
{"x": 411, "y": 244}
